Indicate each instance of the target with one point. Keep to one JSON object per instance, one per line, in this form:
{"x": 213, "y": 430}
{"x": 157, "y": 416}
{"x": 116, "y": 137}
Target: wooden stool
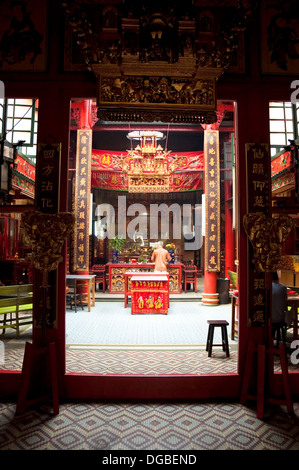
{"x": 222, "y": 324}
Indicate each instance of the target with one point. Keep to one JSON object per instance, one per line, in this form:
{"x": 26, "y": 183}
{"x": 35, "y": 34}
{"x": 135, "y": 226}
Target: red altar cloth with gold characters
{"x": 149, "y": 294}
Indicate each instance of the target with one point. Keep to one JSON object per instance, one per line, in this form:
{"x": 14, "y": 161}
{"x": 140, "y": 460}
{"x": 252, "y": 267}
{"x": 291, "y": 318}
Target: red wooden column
{"x": 212, "y": 207}
{"x": 82, "y": 189}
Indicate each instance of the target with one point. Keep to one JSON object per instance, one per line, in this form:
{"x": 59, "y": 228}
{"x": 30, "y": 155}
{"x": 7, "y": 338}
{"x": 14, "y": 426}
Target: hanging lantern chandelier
{"x": 148, "y": 146}
{"x": 148, "y": 165}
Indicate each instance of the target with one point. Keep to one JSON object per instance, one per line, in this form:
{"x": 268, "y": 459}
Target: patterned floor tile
{"x": 148, "y": 426}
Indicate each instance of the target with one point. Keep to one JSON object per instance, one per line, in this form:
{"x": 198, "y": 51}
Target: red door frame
{"x": 54, "y": 111}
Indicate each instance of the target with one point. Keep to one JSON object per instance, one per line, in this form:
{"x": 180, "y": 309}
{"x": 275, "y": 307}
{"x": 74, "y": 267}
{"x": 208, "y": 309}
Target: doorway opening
{"x": 106, "y": 337}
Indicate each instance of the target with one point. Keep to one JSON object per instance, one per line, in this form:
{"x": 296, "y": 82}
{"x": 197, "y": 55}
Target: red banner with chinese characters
{"x": 106, "y": 171}
{"x": 258, "y": 200}
{"x": 212, "y": 195}
{"x": 106, "y": 160}
{"x": 110, "y": 160}
{"x": 187, "y": 181}
{"x": 109, "y": 180}
{"x": 82, "y": 200}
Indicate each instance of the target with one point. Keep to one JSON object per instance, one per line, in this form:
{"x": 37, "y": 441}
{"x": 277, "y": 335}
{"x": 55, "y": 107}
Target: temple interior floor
{"x": 148, "y": 344}
{"x": 110, "y": 340}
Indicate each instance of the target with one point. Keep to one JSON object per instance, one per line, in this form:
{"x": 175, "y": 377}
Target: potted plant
{"x": 116, "y": 244}
{"x": 171, "y": 247}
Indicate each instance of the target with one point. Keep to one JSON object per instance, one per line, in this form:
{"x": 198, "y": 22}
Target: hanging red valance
{"x": 107, "y": 171}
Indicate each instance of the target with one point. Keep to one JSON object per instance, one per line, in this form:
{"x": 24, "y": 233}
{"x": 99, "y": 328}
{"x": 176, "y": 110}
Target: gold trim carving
{"x": 179, "y": 99}
{"x": 175, "y": 116}
{"x": 148, "y": 184}
{"x": 267, "y": 236}
{"x": 117, "y": 278}
{"x": 131, "y": 60}
{"x": 198, "y": 93}
{"x": 48, "y": 233}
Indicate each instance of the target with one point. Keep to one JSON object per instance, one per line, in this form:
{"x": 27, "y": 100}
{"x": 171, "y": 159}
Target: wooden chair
{"x": 100, "y": 272}
{"x": 234, "y": 301}
{"x": 72, "y": 296}
{"x": 233, "y": 279}
{"x": 190, "y": 277}
{"x": 16, "y": 305}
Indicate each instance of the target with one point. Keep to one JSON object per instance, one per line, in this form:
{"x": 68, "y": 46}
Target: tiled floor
{"x": 110, "y": 323}
{"x": 152, "y": 426}
{"x": 111, "y": 340}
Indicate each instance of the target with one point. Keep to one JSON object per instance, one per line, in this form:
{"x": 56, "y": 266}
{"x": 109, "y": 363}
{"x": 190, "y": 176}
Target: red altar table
{"x": 129, "y": 274}
{"x": 149, "y": 294}
{"x": 117, "y": 275}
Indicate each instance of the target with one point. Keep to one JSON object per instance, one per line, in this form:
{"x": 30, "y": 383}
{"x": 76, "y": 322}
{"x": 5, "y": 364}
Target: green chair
{"x": 234, "y": 301}
{"x": 233, "y": 279}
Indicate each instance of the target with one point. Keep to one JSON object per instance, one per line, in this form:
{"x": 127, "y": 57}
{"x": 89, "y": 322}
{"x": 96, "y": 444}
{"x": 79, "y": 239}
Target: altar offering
{"x": 149, "y": 294}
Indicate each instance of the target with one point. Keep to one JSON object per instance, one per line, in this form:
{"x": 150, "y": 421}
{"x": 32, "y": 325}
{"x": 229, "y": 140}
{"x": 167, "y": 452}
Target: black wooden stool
{"x": 212, "y": 324}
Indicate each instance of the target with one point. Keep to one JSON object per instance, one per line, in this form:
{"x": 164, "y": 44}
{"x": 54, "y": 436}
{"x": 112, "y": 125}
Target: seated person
{"x": 160, "y": 256}
{"x": 279, "y": 301}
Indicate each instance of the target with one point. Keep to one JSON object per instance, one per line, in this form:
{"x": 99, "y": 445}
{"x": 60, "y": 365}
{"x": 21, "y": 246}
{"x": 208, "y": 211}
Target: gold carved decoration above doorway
{"x": 158, "y": 61}
{"x": 267, "y": 236}
{"x": 168, "y": 99}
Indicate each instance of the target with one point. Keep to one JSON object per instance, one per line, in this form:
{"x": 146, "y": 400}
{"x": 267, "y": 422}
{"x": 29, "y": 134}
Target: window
{"x": 20, "y": 124}
{"x": 283, "y": 125}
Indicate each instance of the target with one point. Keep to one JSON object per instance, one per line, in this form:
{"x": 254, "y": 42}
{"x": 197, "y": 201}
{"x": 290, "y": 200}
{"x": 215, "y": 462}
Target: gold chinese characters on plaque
{"x": 212, "y": 195}
{"x": 258, "y": 205}
{"x": 48, "y": 183}
{"x": 82, "y": 200}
